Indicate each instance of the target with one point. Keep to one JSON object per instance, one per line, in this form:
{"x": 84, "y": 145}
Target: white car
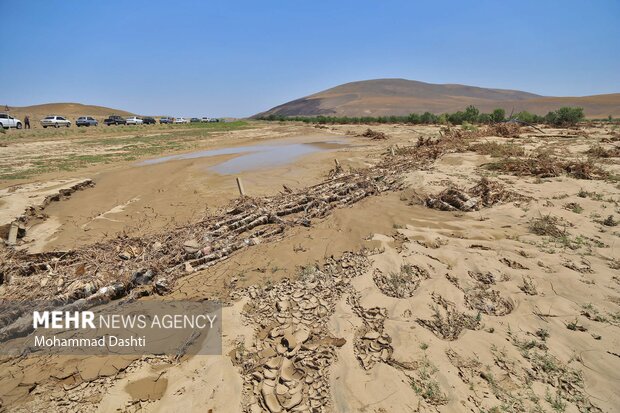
{"x": 181, "y": 120}
{"x": 7, "y": 121}
{"x": 134, "y": 120}
{"x": 55, "y": 121}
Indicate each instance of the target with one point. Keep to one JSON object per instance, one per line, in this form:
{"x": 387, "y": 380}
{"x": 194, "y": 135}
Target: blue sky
{"x": 236, "y": 58}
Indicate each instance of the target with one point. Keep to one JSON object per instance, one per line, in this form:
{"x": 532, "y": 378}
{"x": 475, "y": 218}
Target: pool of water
{"x": 253, "y": 156}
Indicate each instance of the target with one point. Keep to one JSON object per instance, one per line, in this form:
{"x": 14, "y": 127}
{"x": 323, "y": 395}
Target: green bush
{"x": 485, "y": 118}
{"x": 528, "y": 117}
{"x": 565, "y": 116}
{"x": 471, "y": 114}
{"x": 428, "y": 117}
{"x": 498, "y": 115}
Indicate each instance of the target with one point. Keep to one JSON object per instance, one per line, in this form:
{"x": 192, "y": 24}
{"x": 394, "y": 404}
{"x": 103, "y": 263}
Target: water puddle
{"x": 253, "y": 156}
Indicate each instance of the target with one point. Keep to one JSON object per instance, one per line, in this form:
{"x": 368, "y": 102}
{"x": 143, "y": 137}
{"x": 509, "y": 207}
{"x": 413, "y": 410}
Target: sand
{"x": 478, "y": 313}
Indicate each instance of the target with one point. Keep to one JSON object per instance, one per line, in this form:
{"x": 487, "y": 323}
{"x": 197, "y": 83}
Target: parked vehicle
{"x": 148, "y": 120}
{"x": 55, "y": 121}
{"x": 134, "y": 120}
{"x": 86, "y": 121}
{"x": 165, "y": 120}
{"x": 180, "y": 120}
{"x": 194, "y": 120}
{"x": 214, "y": 120}
{"x": 115, "y": 120}
{"x": 7, "y": 121}
{"x": 205, "y": 119}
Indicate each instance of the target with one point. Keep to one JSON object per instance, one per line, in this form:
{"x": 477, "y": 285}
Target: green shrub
{"x": 565, "y": 116}
{"x": 498, "y": 115}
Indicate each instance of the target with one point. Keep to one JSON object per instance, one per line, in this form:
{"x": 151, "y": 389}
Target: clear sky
{"x": 237, "y": 58}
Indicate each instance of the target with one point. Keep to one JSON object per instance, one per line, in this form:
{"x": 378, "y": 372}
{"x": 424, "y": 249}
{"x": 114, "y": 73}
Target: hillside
{"x": 70, "y": 110}
{"x": 381, "y": 97}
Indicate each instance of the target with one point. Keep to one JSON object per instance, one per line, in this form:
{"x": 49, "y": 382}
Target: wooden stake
{"x": 240, "y": 186}
{"x": 12, "y": 239}
{"x": 337, "y": 163}
{"x": 392, "y": 150}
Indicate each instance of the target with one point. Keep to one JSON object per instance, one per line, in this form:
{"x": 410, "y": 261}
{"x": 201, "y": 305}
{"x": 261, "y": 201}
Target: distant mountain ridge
{"x": 382, "y": 97}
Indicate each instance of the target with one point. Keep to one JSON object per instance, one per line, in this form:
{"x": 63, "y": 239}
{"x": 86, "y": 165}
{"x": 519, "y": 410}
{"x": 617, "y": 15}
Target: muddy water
{"x": 253, "y": 157}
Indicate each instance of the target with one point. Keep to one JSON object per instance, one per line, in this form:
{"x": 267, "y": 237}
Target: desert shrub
{"x": 498, "y": 115}
{"x": 547, "y": 225}
{"x": 428, "y": 117}
{"x": 471, "y": 114}
{"x": 565, "y": 116}
{"x": 528, "y": 117}
{"x": 485, "y": 118}
{"x": 610, "y": 221}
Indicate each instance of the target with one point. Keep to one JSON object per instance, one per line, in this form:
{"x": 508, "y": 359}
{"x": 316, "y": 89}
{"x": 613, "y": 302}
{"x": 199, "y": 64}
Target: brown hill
{"x": 69, "y": 110}
{"x": 382, "y": 97}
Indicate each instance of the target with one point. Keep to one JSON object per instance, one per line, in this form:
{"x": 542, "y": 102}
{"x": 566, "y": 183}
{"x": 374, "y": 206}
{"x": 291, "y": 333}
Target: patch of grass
{"x": 426, "y": 386}
{"x": 547, "y": 225}
{"x": 528, "y": 286}
{"x": 542, "y": 333}
{"x": 557, "y": 402}
{"x": 468, "y": 126}
{"x": 591, "y": 313}
{"x": 575, "y": 326}
{"x": 134, "y": 145}
{"x": 574, "y": 207}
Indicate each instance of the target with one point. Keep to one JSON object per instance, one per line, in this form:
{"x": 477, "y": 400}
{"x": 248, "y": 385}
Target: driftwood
{"x": 144, "y": 265}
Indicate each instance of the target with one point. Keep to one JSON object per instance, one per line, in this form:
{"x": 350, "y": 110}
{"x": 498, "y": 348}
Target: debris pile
{"x": 485, "y": 193}
{"x": 505, "y": 130}
{"x": 600, "y": 152}
{"x": 374, "y": 135}
{"x": 112, "y": 264}
{"x": 544, "y": 165}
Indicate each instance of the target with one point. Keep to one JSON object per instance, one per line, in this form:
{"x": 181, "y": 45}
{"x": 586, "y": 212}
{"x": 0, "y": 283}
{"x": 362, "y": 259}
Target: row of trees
{"x": 564, "y": 116}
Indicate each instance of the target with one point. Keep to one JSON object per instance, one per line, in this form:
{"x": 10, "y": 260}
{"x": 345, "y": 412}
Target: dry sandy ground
{"x": 386, "y": 306}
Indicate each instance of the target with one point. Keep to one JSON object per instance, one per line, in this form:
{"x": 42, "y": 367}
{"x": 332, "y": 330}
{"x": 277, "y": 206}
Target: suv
{"x": 7, "y": 121}
{"x": 148, "y": 121}
{"x": 55, "y": 121}
{"x": 114, "y": 120}
{"x": 133, "y": 120}
{"x": 86, "y": 121}
{"x": 165, "y": 120}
